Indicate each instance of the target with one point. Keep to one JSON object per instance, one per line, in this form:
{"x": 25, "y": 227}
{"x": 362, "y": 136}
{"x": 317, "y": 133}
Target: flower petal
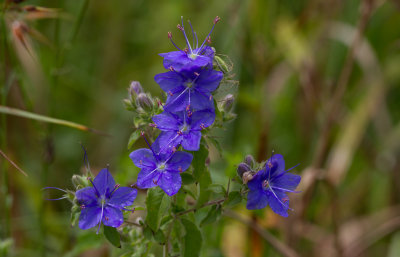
{"x": 170, "y": 81}
{"x": 123, "y": 196}
{"x": 287, "y": 181}
{"x": 191, "y": 141}
{"x": 87, "y": 196}
{"x": 180, "y": 160}
{"x": 279, "y": 202}
{"x": 112, "y": 217}
{"x": 166, "y": 141}
{"x": 256, "y": 199}
{"x": 178, "y": 101}
{"x": 208, "y": 80}
{"x": 204, "y": 117}
{"x": 147, "y": 177}
{"x": 276, "y": 166}
{"x": 167, "y": 121}
{"x": 256, "y": 182}
{"x": 89, "y": 217}
{"x": 104, "y": 182}
{"x": 143, "y": 158}
{"x": 170, "y": 182}
{"x": 200, "y": 101}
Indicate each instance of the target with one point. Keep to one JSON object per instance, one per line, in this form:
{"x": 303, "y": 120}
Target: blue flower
{"x": 270, "y": 185}
{"x": 182, "y": 128}
{"x": 189, "y": 88}
{"x": 160, "y": 169}
{"x": 104, "y": 202}
{"x": 191, "y": 56}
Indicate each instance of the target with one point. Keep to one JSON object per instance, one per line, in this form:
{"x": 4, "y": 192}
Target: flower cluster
{"x": 269, "y": 185}
{"x": 189, "y": 108}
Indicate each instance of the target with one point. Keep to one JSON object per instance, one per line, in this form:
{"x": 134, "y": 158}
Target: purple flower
{"x": 190, "y": 88}
{"x": 191, "y": 56}
{"x": 182, "y": 128}
{"x": 270, "y": 185}
{"x": 160, "y": 169}
{"x": 103, "y": 202}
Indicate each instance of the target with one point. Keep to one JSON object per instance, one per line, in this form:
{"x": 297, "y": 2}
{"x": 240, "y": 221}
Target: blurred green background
{"x": 319, "y": 84}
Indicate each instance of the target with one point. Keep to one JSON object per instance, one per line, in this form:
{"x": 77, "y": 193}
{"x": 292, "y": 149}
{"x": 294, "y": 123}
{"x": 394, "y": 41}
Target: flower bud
{"x": 221, "y": 64}
{"x": 247, "y": 176}
{"x": 249, "y": 160}
{"x": 227, "y": 103}
{"x": 135, "y": 89}
{"x": 242, "y": 168}
{"x": 143, "y": 101}
{"x": 80, "y": 181}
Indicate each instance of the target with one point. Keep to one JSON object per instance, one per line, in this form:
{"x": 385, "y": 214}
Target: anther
{"x": 211, "y": 97}
{"x": 202, "y": 126}
{"x": 270, "y": 165}
{"x": 265, "y": 183}
{"x": 169, "y": 35}
{"x": 153, "y": 125}
{"x": 141, "y": 162}
{"x": 142, "y": 133}
{"x": 188, "y": 107}
{"x": 170, "y": 93}
{"x": 285, "y": 199}
{"x": 180, "y": 169}
{"x": 216, "y": 19}
{"x": 186, "y": 50}
{"x": 179, "y": 132}
{"x": 189, "y": 113}
{"x": 209, "y": 40}
{"x": 196, "y": 73}
{"x": 83, "y": 206}
{"x": 179, "y": 27}
{"x": 174, "y": 149}
{"x": 171, "y": 68}
{"x": 106, "y": 218}
{"x": 155, "y": 181}
{"x": 117, "y": 185}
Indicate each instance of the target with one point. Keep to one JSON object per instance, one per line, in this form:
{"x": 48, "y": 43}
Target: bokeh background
{"x": 319, "y": 84}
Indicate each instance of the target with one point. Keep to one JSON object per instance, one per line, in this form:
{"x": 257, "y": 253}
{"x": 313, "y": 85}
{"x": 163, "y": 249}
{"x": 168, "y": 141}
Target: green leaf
{"x": 160, "y": 237}
{"x": 192, "y": 240}
{"x": 133, "y": 138}
{"x": 204, "y": 183}
{"x": 112, "y": 236}
{"x": 234, "y": 198}
{"x": 187, "y": 178}
{"x": 217, "y": 189}
{"x": 213, "y": 215}
{"x": 157, "y": 203}
{"x": 147, "y": 233}
{"x": 215, "y": 142}
{"x": 199, "y": 162}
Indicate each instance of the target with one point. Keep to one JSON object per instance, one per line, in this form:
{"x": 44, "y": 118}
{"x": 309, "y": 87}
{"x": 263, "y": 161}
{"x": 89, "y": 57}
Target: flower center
{"x": 189, "y": 84}
{"x": 161, "y": 166}
{"x": 192, "y": 56}
{"x": 184, "y": 128}
{"x": 265, "y": 184}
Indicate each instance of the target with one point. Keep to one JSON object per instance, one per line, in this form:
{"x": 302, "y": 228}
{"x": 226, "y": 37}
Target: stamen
{"x": 170, "y": 93}
{"x": 115, "y": 188}
{"x": 180, "y": 133}
{"x": 196, "y": 73}
{"x": 171, "y": 68}
{"x": 180, "y": 169}
{"x": 270, "y": 165}
{"x": 155, "y": 181}
{"x": 106, "y": 218}
{"x": 147, "y": 142}
{"x": 173, "y": 149}
{"x": 215, "y": 22}
{"x": 170, "y": 38}
{"x": 209, "y": 40}
{"x": 202, "y": 126}
{"x": 188, "y": 107}
{"x": 184, "y": 34}
{"x": 82, "y": 206}
{"x": 186, "y": 50}
{"x": 197, "y": 40}
{"x": 97, "y": 191}
{"x": 179, "y": 27}
{"x": 211, "y": 97}
{"x": 192, "y": 31}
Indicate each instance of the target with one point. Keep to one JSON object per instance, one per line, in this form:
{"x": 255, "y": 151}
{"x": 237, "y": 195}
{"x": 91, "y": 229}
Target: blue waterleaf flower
{"x": 189, "y": 88}
{"x": 270, "y": 185}
{"x": 160, "y": 168}
{"x": 183, "y": 128}
{"x": 191, "y": 56}
{"x": 104, "y": 202}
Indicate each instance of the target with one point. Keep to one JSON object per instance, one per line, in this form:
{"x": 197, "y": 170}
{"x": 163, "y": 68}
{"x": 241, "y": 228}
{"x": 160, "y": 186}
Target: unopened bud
{"x": 221, "y": 64}
{"x": 242, "y": 168}
{"x": 134, "y": 89}
{"x": 248, "y": 176}
{"x": 79, "y": 181}
{"x": 249, "y": 160}
{"x": 144, "y": 102}
{"x": 227, "y": 103}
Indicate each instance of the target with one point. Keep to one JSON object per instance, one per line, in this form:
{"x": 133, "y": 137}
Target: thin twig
{"x": 133, "y": 223}
{"x": 202, "y": 206}
{"x": 281, "y": 247}
{"x": 13, "y": 163}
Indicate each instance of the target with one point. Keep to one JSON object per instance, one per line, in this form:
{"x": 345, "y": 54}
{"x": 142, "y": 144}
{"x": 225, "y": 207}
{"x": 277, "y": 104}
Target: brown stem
{"x": 281, "y": 247}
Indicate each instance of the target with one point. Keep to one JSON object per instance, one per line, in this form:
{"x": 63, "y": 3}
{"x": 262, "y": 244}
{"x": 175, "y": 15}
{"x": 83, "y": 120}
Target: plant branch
{"x": 282, "y": 248}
